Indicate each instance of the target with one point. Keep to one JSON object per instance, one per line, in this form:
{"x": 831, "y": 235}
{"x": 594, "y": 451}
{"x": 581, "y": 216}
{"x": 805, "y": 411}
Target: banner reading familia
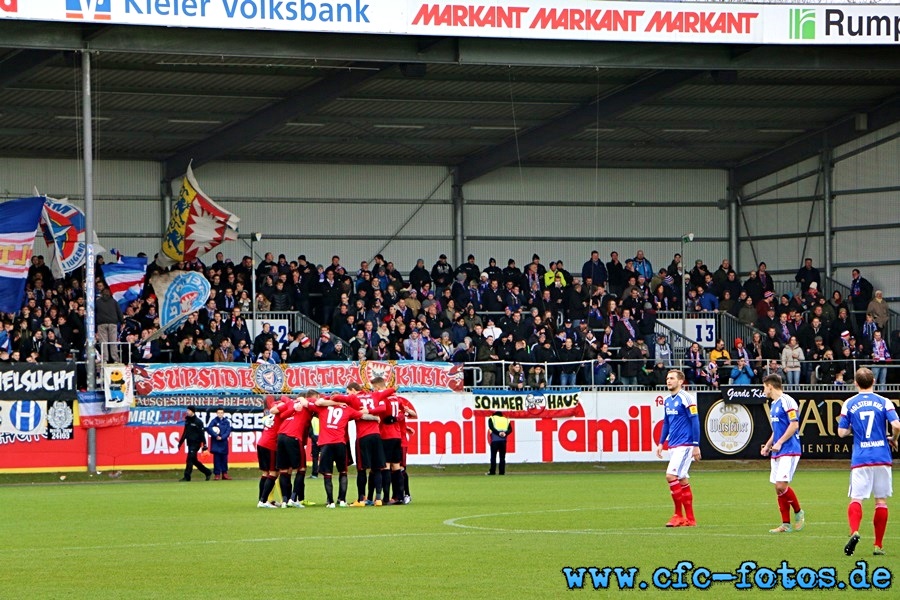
{"x": 221, "y": 378}
{"x": 836, "y": 22}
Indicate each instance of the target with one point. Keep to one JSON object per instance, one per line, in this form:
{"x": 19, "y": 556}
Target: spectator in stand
{"x": 441, "y": 274}
{"x": 643, "y": 266}
{"x": 860, "y": 295}
{"x": 419, "y": 275}
{"x": 880, "y": 354}
{"x": 772, "y": 345}
{"x": 568, "y": 357}
{"x": 879, "y": 309}
{"x": 707, "y": 300}
{"x": 537, "y": 378}
{"x": 594, "y": 269}
{"x": 829, "y": 372}
{"x": 727, "y": 304}
{"x": 791, "y": 360}
{"x": 765, "y": 280}
{"x": 662, "y": 351}
{"x": 625, "y": 329}
{"x": 224, "y": 351}
{"x": 807, "y": 275}
{"x": 469, "y": 269}
{"x": 767, "y": 303}
{"x": 108, "y": 315}
{"x": 720, "y": 277}
{"x": 694, "y": 361}
{"x": 753, "y": 288}
{"x": 742, "y": 374}
{"x": 869, "y": 328}
{"x": 616, "y": 274}
{"x": 515, "y": 377}
{"x": 632, "y": 361}
{"x": 842, "y": 323}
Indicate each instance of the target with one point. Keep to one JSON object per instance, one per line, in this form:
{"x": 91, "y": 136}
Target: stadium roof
{"x": 478, "y": 104}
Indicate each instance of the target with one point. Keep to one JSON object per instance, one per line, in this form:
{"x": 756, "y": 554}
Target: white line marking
{"x": 455, "y": 522}
{"x": 237, "y": 541}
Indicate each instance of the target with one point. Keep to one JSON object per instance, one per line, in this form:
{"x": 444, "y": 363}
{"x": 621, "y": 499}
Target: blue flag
{"x": 18, "y": 225}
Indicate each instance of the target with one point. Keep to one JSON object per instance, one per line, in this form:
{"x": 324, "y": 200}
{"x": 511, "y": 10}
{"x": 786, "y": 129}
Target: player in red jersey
{"x": 333, "y": 422}
{"x": 391, "y": 436}
{"x": 268, "y": 443}
{"x": 291, "y": 453}
{"x": 407, "y": 411}
{"x": 369, "y": 453}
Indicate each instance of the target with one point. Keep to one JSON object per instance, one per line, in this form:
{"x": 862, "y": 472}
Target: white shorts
{"x": 868, "y": 481}
{"x": 680, "y": 461}
{"x": 783, "y": 468}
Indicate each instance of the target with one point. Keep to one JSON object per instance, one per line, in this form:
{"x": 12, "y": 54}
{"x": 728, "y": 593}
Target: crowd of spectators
{"x": 552, "y": 326}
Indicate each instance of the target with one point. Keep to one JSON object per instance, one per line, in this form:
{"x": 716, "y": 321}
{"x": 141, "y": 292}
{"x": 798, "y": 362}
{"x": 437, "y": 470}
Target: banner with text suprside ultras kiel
{"x": 699, "y": 22}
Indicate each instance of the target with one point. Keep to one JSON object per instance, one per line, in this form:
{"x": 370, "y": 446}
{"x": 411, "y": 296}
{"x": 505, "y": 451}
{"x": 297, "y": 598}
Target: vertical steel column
{"x": 827, "y": 195}
{"x": 733, "y": 209}
{"x": 165, "y": 197}
{"x": 458, "y": 226}
{"x": 90, "y": 290}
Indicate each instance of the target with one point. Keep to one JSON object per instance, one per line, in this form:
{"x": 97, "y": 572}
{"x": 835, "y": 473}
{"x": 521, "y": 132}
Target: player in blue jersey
{"x": 867, "y": 415}
{"x": 784, "y": 447}
{"x": 681, "y": 427}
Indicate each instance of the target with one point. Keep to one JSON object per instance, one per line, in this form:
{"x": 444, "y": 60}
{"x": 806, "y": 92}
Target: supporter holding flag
{"x": 18, "y": 224}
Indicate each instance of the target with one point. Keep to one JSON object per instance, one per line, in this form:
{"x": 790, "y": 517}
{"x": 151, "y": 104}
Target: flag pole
{"x": 90, "y": 277}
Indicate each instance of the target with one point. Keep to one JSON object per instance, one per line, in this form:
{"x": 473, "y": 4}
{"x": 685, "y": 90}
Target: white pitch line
{"x": 237, "y": 541}
{"x": 455, "y": 522}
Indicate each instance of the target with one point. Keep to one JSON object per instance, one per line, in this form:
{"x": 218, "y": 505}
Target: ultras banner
{"x": 152, "y": 380}
{"x": 33, "y": 381}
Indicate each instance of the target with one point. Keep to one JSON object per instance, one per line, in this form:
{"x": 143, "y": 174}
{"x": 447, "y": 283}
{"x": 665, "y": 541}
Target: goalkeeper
{"x": 219, "y": 430}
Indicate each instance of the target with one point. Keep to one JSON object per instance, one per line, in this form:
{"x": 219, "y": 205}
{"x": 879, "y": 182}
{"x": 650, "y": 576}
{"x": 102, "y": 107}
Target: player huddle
{"x": 381, "y": 440}
{"x": 866, "y": 416}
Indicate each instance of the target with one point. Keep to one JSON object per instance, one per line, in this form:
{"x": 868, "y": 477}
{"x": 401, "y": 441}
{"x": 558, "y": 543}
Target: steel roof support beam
{"x": 840, "y": 132}
{"x": 304, "y": 101}
{"x": 569, "y": 124}
{"x": 22, "y": 63}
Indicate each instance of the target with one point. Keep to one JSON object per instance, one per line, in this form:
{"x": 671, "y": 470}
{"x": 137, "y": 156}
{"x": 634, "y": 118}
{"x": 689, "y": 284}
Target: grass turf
{"x": 466, "y": 536}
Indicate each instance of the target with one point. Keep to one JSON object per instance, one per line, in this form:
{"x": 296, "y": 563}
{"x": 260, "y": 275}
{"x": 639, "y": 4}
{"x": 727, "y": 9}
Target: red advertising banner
{"x": 228, "y": 378}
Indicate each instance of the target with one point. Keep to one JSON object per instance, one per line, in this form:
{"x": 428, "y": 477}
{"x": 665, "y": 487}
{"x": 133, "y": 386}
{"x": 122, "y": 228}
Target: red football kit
{"x": 333, "y": 422}
{"x": 269, "y": 437}
{"x": 370, "y": 402}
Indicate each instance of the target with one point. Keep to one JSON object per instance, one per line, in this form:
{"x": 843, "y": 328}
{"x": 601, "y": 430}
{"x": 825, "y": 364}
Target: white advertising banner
{"x": 700, "y": 22}
{"x": 609, "y": 426}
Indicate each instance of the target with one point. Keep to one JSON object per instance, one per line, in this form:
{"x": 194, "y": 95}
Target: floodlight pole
{"x": 686, "y": 238}
{"x": 254, "y": 237}
{"x": 90, "y": 290}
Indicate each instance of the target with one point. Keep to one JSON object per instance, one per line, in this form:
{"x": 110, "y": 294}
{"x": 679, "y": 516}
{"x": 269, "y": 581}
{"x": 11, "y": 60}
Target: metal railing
{"x": 810, "y": 376}
{"x": 829, "y": 286}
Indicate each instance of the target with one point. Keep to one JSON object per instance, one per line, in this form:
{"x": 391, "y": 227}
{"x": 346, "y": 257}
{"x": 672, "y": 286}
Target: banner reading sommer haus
{"x": 699, "y": 22}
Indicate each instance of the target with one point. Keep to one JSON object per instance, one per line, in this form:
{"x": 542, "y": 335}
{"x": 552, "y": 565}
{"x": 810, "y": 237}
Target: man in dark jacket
{"x": 109, "y": 317}
{"x": 441, "y": 274}
{"x": 419, "y": 275}
{"x": 195, "y": 436}
{"x": 219, "y": 430}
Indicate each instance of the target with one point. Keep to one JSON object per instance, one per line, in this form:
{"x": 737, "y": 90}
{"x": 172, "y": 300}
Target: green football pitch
{"x": 463, "y": 536}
